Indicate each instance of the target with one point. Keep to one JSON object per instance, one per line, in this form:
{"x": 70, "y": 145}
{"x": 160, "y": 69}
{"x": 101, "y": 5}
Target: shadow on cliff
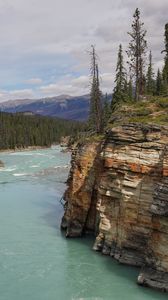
{"x": 84, "y": 199}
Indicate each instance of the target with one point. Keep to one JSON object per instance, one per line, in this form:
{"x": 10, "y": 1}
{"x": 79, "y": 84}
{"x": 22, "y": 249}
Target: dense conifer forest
{"x": 21, "y": 131}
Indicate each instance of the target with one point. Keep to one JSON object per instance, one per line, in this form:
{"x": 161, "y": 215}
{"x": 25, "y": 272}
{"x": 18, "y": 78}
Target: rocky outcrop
{"x": 117, "y": 190}
{"x": 81, "y": 195}
{"x": 64, "y": 142}
{"x": 1, "y": 164}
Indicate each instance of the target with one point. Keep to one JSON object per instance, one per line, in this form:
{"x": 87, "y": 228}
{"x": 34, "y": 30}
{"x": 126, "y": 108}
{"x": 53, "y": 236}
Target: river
{"x": 36, "y": 261}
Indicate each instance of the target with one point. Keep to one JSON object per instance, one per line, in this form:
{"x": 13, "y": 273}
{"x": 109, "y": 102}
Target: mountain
{"x": 64, "y": 106}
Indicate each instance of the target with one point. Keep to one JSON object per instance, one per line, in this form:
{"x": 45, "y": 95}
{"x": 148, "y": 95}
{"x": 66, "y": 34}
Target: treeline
{"x": 21, "y": 131}
{"x": 133, "y": 83}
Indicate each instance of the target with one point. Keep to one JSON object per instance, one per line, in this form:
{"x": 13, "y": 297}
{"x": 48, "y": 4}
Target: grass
{"x": 151, "y": 110}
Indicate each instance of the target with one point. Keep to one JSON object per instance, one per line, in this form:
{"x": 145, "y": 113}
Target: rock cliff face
{"x": 118, "y": 190}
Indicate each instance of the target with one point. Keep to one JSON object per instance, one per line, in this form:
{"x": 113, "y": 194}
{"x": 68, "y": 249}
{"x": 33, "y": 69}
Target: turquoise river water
{"x": 36, "y": 261}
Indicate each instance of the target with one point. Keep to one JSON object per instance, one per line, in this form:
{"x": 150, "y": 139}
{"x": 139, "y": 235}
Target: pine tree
{"x": 130, "y": 90}
{"x": 119, "y": 92}
{"x": 136, "y": 53}
{"x": 150, "y": 82}
{"x": 95, "y": 114}
{"x": 165, "y": 68}
{"x": 106, "y": 111}
{"x": 159, "y": 84}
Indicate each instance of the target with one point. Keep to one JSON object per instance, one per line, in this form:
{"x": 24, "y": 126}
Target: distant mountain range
{"x": 64, "y": 106}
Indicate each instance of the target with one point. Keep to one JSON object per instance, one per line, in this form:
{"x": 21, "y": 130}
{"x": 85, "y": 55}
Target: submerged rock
{"x": 117, "y": 189}
{"x": 1, "y": 164}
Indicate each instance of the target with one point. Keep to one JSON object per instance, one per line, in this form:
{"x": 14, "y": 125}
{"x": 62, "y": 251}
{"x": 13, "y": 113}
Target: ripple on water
{"x": 36, "y": 261}
{"x": 20, "y": 174}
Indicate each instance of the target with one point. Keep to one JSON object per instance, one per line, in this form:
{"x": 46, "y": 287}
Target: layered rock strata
{"x": 118, "y": 190}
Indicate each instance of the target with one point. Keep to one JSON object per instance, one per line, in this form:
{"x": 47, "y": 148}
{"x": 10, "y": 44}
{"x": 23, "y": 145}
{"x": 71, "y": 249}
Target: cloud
{"x": 76, "y": 86}
{"x": 68, "y": 85}
{"x": 16, "y": 94}
{"x": 50, "y": 39}
{"x": 34, "y": 81}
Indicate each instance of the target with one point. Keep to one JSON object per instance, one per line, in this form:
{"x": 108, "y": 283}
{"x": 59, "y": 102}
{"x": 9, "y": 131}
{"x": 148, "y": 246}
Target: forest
{"x": 20, "y": 131}
{"x": 135, "y": 80}
{"x": 135, "y": 84}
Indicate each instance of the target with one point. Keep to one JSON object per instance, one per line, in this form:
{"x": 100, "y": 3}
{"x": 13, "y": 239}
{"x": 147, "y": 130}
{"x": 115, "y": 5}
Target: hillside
{"x": 150, "y": 110}
{"x": 66, "y": 107}
{"x": 21, "y": 131}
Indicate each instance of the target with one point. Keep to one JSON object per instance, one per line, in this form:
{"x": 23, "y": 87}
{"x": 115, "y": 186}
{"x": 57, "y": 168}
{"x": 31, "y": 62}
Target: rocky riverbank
{"x": 117, "y": 190}
{"x": 29, "y": 148}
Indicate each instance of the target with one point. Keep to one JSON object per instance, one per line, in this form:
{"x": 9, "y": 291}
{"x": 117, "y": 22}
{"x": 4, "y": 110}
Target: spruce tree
{"x": 130, "y": 90}
{"x": 150, "y": 82}
{"x": 95, "y": 114}
{"x": 165, "y": 68}
{"x": 136, "y": 53}
{"x": 119, "y": 92}
{"x": 159, "y": 84}
{"x": 106, "y": 111}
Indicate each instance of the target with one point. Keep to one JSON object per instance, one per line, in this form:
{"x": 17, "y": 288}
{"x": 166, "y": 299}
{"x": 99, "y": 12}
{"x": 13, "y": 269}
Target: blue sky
{"x": 44, "y": 43}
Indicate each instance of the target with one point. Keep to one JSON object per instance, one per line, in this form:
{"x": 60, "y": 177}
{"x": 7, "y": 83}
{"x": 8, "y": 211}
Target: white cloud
{"x": 50, "y": 38}
{"x": 16, "y": 94}
{"x": 70, "y": 86}
{"x": 76, "y": 86}
{"x": 33, "y": 81}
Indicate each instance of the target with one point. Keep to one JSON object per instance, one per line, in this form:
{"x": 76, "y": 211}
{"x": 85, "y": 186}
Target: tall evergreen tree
{"x": 130, "y": 90}
{"x": 159, "y": 84}
{"x": 119, "y": 92}
{"x": 95, "y": 114}
{"x": 165, "y": 68}
{"x": 106, "y": 111}
{"x": 137, "y": 52}
{"x": 150, "y": 82}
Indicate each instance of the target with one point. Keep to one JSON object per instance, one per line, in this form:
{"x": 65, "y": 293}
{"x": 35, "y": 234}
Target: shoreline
{"x": 30, "y": 148}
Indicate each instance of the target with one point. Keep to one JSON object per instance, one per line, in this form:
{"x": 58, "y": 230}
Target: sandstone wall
{"x": 118, "y": 190}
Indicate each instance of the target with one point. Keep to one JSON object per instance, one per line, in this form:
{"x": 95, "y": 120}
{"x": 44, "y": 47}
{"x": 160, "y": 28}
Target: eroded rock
{"x": 118, "y": 190}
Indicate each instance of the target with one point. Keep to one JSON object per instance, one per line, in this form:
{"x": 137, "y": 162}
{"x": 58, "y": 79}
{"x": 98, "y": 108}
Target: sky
{"x": 44, "y": 48}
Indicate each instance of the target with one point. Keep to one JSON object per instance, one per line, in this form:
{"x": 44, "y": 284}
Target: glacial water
{"x": 36, "y": 261}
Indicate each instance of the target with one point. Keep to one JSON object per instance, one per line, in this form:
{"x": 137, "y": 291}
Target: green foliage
{"x": 162, "y": 102}
{"x": 96, "y": 138}
{"x": 153, "y": 110}
{"x": 150, "y": 82}
{"x": 165, "y": 69}
{"x": 130, "y": 91}
{"x": 120, "y": 89}
{"x": 21, "y": 131}
{"x": 136, "y": 53}
{"x": 143, "y": 111}
{"x": 95, "y": 114}
{"x": 160, "y": 84}
{"x": 106, "y": 111}
{"x": 159, "y": 120}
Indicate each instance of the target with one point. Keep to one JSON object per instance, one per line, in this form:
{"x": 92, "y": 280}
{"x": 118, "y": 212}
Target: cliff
{"x": 117, "y": 190}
